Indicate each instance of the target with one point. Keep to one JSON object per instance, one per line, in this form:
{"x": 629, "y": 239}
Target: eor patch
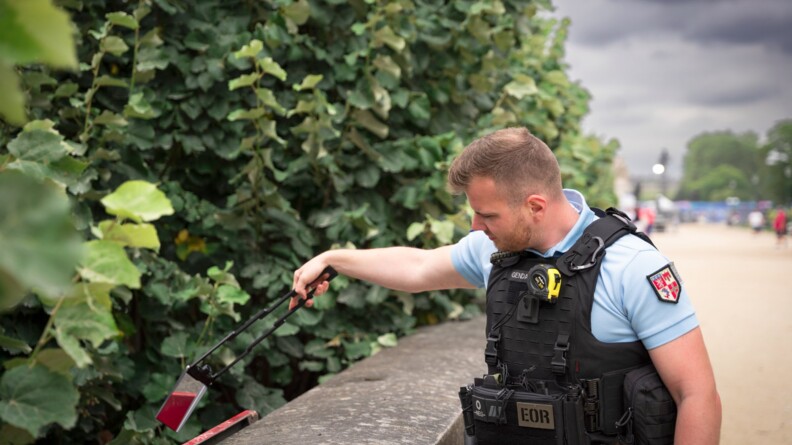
{"x": 666, "y": 283}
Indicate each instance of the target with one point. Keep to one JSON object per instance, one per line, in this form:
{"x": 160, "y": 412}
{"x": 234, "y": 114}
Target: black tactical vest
{"x": 568, "y": 376}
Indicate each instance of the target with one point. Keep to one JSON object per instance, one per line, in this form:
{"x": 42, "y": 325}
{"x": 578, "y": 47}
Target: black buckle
{"x": 591, "y": 405}
{"x": 592, "y": 260}
{"x": 621, "y": 216}
{"x": 624, "y": 426}
{"x": 491, "y": 351}
{"x": 559, "y": 362}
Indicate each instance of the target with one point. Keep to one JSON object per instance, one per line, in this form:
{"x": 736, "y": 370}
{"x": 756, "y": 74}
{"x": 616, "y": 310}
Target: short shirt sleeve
{"x": 470, "y": 257}
{"x": 627, "y": 305}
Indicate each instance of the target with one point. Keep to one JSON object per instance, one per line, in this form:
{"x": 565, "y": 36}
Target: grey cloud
{"x": 769, "y": 25}
{"x": 759, "y": 22}
{"x": 752, "y": 94}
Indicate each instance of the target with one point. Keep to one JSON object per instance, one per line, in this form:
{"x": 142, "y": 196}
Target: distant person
{"x": 780, "y": 226}
{"x": 647, "y": 216}
{"x": 756, "y": 220}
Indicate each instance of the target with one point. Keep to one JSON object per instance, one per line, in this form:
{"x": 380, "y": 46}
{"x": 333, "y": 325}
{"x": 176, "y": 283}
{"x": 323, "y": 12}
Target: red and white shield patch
{"x": 666, "y": 283}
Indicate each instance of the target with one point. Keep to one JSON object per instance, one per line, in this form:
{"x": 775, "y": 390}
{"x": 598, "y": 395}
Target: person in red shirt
{"x": 780, "y": 226}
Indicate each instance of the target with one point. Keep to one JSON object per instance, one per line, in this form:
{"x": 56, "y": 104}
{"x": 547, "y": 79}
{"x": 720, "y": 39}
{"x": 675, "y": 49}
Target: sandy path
{"x": 741, "y": 286}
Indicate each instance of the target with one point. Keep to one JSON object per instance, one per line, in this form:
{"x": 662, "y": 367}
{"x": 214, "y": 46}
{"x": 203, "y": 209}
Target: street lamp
{"x": 660, "y": 169}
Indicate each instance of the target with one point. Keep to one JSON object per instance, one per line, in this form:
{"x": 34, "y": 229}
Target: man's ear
{"x": 536, "y": 205}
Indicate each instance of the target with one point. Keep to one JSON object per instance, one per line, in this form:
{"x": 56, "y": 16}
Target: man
{"x": 756, "y": 220}
{"x": 780, "y": 226}
{"x": 512, "y": 182}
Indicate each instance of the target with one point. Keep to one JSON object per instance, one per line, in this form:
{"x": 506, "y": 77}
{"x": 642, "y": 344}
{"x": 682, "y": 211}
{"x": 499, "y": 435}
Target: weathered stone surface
{"x": 402, "y": 395}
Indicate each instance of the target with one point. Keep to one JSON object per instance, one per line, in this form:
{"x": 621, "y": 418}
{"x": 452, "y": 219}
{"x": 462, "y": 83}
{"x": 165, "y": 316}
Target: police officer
{"x": 512, "y": 182}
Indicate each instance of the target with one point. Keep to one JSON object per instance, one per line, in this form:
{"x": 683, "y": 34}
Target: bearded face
{"x": 508, "y": 225}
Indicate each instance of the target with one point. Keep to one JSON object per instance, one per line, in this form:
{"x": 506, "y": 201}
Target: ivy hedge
{"x": 170, "y": 186}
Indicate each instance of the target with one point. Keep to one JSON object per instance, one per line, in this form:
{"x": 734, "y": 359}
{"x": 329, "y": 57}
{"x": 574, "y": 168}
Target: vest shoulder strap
{"x": 599, "y": 235}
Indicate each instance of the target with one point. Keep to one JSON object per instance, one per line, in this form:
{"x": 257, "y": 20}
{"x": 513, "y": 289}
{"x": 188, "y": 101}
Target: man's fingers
{"x": 301, "y": 287}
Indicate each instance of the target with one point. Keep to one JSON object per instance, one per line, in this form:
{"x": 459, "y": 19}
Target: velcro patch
{"x": 666, "y": 283}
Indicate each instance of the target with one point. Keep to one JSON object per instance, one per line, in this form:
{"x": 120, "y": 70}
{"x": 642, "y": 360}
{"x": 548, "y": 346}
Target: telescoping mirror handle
{"x": 203, "y": 373}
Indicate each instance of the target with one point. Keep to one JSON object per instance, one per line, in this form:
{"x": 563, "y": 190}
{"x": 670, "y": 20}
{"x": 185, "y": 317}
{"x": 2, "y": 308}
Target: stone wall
{"x": 408, "y": 394}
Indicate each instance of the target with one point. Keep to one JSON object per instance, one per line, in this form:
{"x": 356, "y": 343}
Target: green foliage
{"x": 776, "y": 178}
{"x": 30, "y": 31}
{"x": 721, "y": 164}
{"x": 251, "y": 135}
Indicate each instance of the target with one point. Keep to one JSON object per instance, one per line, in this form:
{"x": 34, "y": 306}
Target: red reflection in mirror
{"x": 175, "y": 408}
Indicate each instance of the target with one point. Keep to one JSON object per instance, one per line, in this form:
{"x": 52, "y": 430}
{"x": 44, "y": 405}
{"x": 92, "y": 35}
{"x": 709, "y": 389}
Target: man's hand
{"x": 311, "y": 275}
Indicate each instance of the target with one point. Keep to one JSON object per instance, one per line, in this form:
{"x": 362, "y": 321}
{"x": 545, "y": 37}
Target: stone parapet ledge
{"x": 408, "y": 394}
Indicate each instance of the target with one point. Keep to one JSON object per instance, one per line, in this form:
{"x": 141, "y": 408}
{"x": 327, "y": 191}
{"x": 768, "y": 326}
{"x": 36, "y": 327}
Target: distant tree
{"x": 722, "y": 182}
{"x": 706, "y": 176}
{"x": 776, "y": 177}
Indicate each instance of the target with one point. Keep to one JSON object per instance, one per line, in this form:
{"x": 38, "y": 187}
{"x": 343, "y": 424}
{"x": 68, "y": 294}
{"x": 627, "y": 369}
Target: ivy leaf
{"x": 231, "y": 294}
{"x": 222, "y": 276}
{"x": 443, "y": 230}
{"x": 521, "y": 86}
{"x": 32, "y": 397}
{"x": 246, "y": 114}
{"x": 66, "y": 89}
{"x": 286, "y": 330}
{"x": 109, "y": 81}
{"x": 122, "y": 19}
{"x": 388, "y": 340}
{"x": 94, "y": 294}
{"x": 250, "y": 50}
{"x": 420, "y": 108}
{"x": 267, "y": 97}
{"x": 138, "y": 201}
{"x": 309, "y": 82}
{"x": 11, "y": 435}
{"x": 39, "y": 247}
{"x": 385, "y": 35}
{"x": 256, "y": 396}
{"x": 107, "y": 262}
{"x": 14, "y": 344}
{"x": 130, "y": 235}
{"x": 415, "y": 229}
{"x": 175, "y": 345}
{"x": 114, "y": 45}
{"x": 355, "y": 350}
{"x": 85, "y": 322}
{"x": 558, "y": 78}
{"x": 37, "y": 31}
{"x": 38, "y": 146}
{"x": 71, "y": 346}
{"x": 12, "y": 107}
{"x": 298, "y": 12}
{"x": 138, "y": 107}
{"x": 158, "y": 387}
{"x": 242, "y": 81}
{"x": 110, "y": 118}
{"x": 370, "y": 123}
{"x": 271, "y": 67}
{"x": 56, "y": 360}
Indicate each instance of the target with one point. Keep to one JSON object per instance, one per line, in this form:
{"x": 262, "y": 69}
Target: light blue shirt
{"x": 626, "y": 307}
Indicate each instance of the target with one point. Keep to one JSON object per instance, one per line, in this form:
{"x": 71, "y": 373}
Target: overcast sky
{"x": 663, "y": 71}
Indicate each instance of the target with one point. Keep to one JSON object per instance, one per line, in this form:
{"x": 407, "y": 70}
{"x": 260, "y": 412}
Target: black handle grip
{"x": 329, "y": 271}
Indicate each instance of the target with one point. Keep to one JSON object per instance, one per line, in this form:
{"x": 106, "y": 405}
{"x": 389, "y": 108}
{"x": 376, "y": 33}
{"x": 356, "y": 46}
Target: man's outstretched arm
{"x": 399, "y": 268}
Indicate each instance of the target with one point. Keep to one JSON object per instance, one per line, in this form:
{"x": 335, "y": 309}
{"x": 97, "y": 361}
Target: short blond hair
{"x": 516, "y": 160}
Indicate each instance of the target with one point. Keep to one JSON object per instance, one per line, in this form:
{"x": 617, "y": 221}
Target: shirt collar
{"x": 578, "y": 202}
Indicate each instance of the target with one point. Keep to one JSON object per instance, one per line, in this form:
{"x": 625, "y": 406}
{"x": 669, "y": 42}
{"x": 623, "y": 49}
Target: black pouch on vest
{"x": 650, "y": 416}
{"x": 520, "y": 417}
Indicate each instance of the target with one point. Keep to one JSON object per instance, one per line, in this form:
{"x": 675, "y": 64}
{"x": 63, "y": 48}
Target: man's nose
{"x": 476, "y": 223}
